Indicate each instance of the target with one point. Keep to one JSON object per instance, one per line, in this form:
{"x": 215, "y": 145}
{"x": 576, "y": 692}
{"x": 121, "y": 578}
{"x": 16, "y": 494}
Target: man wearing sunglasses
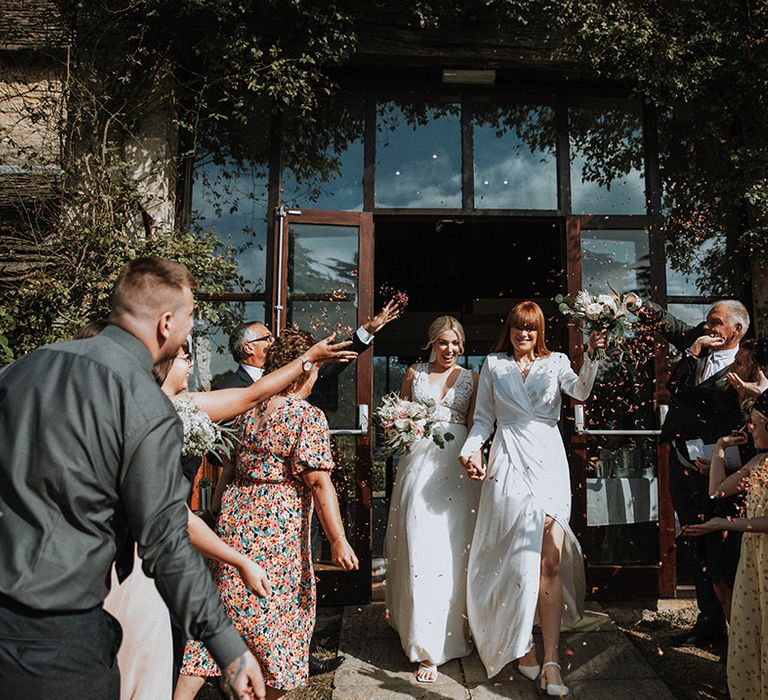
{"x": 248, "y": 344}
{"x": 250, "y": 341}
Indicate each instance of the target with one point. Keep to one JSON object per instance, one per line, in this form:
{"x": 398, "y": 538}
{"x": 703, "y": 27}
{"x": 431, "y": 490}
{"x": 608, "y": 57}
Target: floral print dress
{"x": 748, "y": 633}
{"x": 265, "y": 513}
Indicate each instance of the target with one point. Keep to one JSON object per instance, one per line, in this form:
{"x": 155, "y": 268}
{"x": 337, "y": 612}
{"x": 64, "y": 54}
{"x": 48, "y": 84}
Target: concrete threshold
{"x": 599, "y": 663}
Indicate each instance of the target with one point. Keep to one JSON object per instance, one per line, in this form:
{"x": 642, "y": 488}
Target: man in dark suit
{"x": 249, "y": 343}
{"x": 703, "y": 406}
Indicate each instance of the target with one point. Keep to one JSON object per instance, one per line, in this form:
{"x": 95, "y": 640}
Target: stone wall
{"x": 33, "y": 67}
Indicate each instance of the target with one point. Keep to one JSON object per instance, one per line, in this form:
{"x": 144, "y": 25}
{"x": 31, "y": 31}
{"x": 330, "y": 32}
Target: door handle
{"x": 363, "y": 423}
{"x": 581, "y": 428}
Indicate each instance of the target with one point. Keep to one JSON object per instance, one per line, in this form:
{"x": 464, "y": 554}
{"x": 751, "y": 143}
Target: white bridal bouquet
{"x": 201, "y": 435}
{"x": 405, "y": 422}
{"x": 598, "y": 312}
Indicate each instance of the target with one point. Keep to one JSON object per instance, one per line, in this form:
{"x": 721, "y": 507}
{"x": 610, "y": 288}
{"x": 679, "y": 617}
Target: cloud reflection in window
{"x": 418, "y": 156}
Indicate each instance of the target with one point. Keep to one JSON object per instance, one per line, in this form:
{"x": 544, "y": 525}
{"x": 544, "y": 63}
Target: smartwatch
{"x": 306, "y": 364}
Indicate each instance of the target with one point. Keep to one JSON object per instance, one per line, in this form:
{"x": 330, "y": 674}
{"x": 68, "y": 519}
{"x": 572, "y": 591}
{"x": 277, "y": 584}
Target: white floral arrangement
{"x": 201, "y": 435}
{"x": 406, "y": 422}
{"x": 598, "y": 312}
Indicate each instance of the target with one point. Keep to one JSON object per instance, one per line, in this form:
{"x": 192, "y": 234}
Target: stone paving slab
{"x": 599, "y": 663}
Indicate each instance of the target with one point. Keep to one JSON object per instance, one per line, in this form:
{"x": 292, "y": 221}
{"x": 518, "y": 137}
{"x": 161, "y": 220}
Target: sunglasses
{"x": 268, "y": 337}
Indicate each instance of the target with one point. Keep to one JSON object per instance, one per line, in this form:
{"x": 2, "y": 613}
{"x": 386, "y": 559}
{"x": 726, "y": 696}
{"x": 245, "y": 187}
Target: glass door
{"x": 324, "y": 284}
{"x": 622, "y": 509}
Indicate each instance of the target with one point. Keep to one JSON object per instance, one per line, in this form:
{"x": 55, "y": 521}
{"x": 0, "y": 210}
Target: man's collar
{"x": 131, "y": 343}
{"x": 253, "y": 372}
{"x": 725, "y": 353}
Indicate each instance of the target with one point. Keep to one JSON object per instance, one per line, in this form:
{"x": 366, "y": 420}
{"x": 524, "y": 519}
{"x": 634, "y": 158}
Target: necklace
{"x": 524, "y": 367}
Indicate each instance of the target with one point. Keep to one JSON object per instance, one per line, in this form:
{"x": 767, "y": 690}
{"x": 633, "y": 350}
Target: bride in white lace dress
{"x": 432, "y": 514}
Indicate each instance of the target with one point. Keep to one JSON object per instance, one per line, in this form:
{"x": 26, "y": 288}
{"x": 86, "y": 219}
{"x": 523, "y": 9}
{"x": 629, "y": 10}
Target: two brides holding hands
{"x": 488, "y": 548}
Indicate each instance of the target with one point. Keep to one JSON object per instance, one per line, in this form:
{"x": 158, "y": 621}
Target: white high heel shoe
{"x": 553, "y": 689}
{"x": 530, "y": 672}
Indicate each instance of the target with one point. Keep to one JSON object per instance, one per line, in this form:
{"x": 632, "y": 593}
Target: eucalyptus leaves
{"x": 598, "y": 312}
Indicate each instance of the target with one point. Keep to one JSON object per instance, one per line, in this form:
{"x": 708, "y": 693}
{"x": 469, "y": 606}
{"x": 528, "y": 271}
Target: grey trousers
{"x": 58, "y": 655}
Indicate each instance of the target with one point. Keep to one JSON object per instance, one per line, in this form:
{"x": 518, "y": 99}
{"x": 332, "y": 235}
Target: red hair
{"x": 528, "y": 315}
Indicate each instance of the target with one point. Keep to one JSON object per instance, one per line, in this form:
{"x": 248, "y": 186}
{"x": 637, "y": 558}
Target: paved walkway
{"x": 600, "y": 664}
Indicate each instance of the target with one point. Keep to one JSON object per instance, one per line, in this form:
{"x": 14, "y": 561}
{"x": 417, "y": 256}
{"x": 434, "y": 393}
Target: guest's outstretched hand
{"x": 254, "y": 578}
{"x": 328, "y": 351}
{"x": 343, "y": 555}
{"x": 392, "y": 309}
{"x": 710, "y": 526}
{"x": 242, "y": 678}
{"x": 748, "y": 390}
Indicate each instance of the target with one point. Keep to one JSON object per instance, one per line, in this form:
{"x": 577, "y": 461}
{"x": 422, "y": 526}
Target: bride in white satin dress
{"x": 525, "y": 561}
{"x": 432, "y": 514}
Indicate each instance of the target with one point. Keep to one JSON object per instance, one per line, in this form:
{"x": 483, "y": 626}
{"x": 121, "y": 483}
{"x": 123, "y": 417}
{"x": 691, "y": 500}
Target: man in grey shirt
{"x": 90, "y": 449}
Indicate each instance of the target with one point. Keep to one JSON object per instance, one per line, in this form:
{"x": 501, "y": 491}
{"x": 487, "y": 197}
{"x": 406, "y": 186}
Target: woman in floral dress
{"x": 147, "y": 656}
{"x": 282, "y": 466}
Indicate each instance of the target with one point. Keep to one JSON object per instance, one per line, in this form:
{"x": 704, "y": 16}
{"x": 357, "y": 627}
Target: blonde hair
{"x": 445, "y": 323}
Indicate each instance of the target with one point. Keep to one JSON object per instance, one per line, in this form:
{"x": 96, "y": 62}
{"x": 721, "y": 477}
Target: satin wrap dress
{"x": 527, "y": 479}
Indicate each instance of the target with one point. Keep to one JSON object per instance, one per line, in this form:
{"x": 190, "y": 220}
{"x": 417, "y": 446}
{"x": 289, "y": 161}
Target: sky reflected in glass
{"x": 233, "y": 202}
{"x": 617, "y": 259}
{"x": 691, "y": 283}
{"x": 515, "y": 164}
{"x": 340, "y": 190}
{"x": 607, "y": 171}
{"x": 418, "y": 156}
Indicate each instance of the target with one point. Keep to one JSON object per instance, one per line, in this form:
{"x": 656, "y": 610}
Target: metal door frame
{"x": 334, "y": 586}
{"x": 621, "y": 580}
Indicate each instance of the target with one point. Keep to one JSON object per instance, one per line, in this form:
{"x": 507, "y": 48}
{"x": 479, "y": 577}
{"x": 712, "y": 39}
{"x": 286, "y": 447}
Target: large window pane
{"x": 323, "y": 168}
{"x": 607, "y": 169}
{"x": 693, "y": 279}
{"x": 692, "y": 314}
{"x": 340, "y": 190}
{"x": 322, "y": 298}
{"x": 617, "y": 259}
{"x": 418, "y": 156}
{"x": 231, "y": 200}
{"x": 515, "y": 163}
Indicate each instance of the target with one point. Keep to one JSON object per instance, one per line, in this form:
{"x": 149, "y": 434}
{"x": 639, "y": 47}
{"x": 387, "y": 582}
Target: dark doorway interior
{"x": 472, "y": 269}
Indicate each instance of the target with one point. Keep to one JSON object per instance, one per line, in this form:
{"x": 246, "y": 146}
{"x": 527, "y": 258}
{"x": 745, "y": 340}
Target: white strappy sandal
{"x": 557, "y": 690}
{"x": 426, "y": 672}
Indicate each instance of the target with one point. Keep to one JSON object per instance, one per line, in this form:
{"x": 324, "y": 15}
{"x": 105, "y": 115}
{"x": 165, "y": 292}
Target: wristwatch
{"x": 306, "y": 364}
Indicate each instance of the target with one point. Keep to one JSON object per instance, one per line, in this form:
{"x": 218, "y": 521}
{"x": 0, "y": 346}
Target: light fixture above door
{"x": 469, "y": 77}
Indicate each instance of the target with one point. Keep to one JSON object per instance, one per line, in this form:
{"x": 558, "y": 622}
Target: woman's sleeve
{"x": 485, "y": 414}
{"x": 313, "y": 444}
{"x": 578, "y": 386}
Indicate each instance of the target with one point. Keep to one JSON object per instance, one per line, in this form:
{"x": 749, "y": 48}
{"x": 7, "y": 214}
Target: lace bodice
{"x": 453, "y": 407}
